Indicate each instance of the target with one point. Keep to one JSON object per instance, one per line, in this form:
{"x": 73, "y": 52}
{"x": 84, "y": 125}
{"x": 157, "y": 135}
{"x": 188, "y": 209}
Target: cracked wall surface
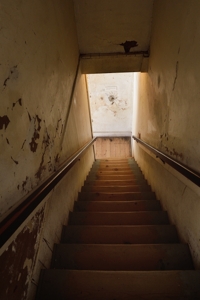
{"x": 39, "y": 60}
{"x": 167, "y": 113}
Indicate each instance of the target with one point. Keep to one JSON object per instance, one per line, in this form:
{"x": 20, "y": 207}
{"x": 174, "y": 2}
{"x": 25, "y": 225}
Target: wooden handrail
{"x": 12, "y": 222}
{"x": 184, "y": 170}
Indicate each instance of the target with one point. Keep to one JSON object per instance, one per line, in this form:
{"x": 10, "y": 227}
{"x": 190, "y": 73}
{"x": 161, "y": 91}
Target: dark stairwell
{"x": 119, "y": 244}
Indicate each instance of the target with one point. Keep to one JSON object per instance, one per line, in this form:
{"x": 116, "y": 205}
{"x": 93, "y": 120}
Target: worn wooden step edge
{"x": 122, "y": 257}
{"x": 120, "y": 285}
{"x": 117, "y": 205}
{"x": 120, "y": 234}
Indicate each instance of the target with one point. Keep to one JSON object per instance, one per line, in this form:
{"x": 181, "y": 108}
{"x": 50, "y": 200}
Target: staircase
{"x": 119, "y": 244}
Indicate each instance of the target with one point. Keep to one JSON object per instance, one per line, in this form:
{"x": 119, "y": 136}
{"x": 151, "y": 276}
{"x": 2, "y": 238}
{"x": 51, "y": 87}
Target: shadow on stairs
{"x": 119, "y": 243}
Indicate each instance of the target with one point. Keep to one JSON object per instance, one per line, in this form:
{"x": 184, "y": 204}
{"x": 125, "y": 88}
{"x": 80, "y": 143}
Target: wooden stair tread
{"x": 120, "y": 234}
{"x": 116, "y": 196}
{"x": 121, "y": 189}
{"x": 118, "y": 218}
{"x": 122, "y": 257}
{"x": 103, "y": 206}
{"x": 120, "y": 285}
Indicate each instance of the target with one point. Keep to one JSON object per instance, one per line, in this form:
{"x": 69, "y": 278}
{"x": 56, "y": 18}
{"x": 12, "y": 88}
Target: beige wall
{"x": 39, "y": 58}
{"x": 167, "y": 113}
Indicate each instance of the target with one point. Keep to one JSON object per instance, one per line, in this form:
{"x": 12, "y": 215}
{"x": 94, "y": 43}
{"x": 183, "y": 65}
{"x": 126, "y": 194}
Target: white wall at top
{"x": 111, "y": 103}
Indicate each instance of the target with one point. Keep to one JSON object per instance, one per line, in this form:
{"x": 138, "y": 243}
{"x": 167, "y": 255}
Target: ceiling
{"x": 105, "y": 24}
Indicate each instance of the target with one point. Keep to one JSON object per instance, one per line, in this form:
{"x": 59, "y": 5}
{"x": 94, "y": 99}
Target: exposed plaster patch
{"x": 13, "y": 75}
{"x": 15, "y": 161}
{"x": 33, "y": 144}
{"x": 23, "y": 144}
{"x": 14, "y": 248}
{"x": 4, "y": 121}
{"x": 41, "y": 167}
{"x": 37, "y": 127}
{"x": 46, "y": 143}
{"x": 57, "y": 158}
{"x": 24, "y": 183}
{"x": 18, "y": 101}
{"x": 47, "y": 243}
{"x": 29, "y": 116}
{"x": 159, "y": 80}
{"x": 176, "y": 75}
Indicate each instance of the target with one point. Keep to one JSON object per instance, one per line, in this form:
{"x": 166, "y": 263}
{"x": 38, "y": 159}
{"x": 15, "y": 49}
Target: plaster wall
{"x": 167, "y": 113}
{"x": 39, "y": 60}
{"x": 111, "y": 103}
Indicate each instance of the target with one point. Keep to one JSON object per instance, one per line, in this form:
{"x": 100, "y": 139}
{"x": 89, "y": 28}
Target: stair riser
{"x": 115, "y": 182}
{"x": 117, "y": 206}
{"x": 120, "y": 189}
{"x": 114, "y": 177}
{"x": 153, "y": 234}
{"x": 92, "y": 196}
{"x": 122, "y": 257}
{"x": 135, "y": 218}
{"x": 130, "y": 172}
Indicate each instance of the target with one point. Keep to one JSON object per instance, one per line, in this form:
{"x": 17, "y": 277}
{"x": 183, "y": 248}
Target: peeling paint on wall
{"x": 176, "y": 75}
{"x": 4, "y": 122}
{"x": 37, "y": 127}
{"x": 13, "y": 74}
{"x": 17, "y": 262}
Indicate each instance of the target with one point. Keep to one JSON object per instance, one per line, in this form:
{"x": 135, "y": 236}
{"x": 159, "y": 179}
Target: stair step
{"x": 115, "y": 182}
{"x": 129, "y": 172}
{"x": 119, "y": 244}
{"x": 114, "y": 177}
{"x": 92, "y": 196}
{"x": 110, "y": 159}
{"x": 122, "y": 257}
{"x": 131, "y": 188}
{"x": 117, "y": 205}
{"x": 118, "y": 218}
{"x": 113, "y": 168}
{"x": 140, "y": 234}
{"x": 120, "y": 285}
